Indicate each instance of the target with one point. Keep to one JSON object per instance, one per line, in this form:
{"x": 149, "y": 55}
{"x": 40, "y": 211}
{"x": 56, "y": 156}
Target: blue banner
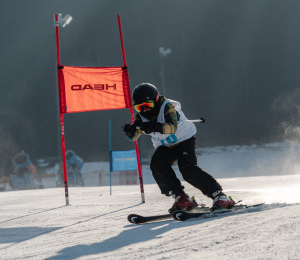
{"x": 123, "y": 160}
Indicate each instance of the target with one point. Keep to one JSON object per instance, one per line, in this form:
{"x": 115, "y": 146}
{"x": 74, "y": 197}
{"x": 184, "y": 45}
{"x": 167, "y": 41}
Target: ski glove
{"x": 129, "y": 129}
{"x": 149, "y": 127}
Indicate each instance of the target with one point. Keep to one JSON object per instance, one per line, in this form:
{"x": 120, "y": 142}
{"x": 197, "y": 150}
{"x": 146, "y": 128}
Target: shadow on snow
{"x": 132, "y": 235}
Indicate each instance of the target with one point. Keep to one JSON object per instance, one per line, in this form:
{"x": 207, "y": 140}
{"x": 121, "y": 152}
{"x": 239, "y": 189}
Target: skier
{"x": 25, "y": 173}
{"x": 173, "y": 137}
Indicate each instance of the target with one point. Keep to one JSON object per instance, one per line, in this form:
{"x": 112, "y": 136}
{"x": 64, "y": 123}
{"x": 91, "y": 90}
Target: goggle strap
{"x": 157, "y": 97}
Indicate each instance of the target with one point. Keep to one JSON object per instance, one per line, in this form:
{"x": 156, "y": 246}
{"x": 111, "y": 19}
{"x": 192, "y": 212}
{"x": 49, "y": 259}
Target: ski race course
{"x": 75, "y": 176}
{"x": 37, "y": 225}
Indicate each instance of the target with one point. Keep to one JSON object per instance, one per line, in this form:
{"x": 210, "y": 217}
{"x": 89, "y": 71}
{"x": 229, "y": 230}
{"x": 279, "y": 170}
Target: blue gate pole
{"x": 110, "y": 154}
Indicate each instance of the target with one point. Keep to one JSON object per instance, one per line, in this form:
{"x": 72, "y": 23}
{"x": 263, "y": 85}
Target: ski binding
{"x": 181, "y": 215}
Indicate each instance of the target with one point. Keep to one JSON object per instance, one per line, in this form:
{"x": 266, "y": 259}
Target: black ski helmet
{"x": 144, "y": 92}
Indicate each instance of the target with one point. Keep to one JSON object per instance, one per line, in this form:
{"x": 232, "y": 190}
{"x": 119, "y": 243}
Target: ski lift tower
{"x": 163, "y": 53}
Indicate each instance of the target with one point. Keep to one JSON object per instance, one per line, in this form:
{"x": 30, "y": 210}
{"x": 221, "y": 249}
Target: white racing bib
{"x": 185, "y": 128}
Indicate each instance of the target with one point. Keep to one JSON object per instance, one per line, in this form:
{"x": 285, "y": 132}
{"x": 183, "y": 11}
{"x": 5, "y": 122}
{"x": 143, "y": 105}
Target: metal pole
{"x": 110, "y": 155}
{"x": 132, "y": 117}
{"x": 162, "y": 72}
{"x": 63, "y": 144}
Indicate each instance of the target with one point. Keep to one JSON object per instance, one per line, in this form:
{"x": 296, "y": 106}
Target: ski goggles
{"x": 147, "y": 105}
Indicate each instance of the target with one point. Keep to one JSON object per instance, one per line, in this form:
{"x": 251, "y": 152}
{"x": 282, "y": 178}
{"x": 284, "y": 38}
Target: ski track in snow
{"x": 35, "y": 224}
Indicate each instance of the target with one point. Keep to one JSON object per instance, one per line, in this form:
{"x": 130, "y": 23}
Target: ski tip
{"x": 178, "y": 215}
{"x": 132, "y": 218}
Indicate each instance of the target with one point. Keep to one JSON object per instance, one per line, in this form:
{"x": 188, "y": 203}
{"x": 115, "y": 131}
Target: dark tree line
{"x": 232, "y": 62}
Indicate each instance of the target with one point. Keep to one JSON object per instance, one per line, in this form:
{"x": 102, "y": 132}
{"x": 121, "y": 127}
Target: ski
{"x": 181, "y": 215}
{"x": 137, "y": 219}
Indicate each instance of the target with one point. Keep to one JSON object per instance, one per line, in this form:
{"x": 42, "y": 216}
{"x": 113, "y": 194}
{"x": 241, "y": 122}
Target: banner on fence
{"x": 123, "y": 161}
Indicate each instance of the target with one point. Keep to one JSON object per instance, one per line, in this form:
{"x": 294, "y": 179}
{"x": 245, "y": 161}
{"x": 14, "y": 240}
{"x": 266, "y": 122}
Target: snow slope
{"x": 37, "y": 224}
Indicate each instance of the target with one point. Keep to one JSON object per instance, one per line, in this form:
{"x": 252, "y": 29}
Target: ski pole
{"x": 201, "y": 120}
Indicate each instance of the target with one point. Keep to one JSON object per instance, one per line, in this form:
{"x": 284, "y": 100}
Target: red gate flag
{"x": 84, "y": 89}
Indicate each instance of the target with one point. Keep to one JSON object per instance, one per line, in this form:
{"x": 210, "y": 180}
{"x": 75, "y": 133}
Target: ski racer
{"x": 173, "y": 137}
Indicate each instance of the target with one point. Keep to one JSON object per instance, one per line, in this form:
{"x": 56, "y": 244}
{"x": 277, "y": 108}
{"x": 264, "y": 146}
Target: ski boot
{"x": 221, "y": 201}
{"x": 182, "y": 202}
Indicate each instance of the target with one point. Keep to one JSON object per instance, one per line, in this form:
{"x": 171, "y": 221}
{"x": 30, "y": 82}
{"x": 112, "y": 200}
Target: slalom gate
{"x": 84, "y": 89}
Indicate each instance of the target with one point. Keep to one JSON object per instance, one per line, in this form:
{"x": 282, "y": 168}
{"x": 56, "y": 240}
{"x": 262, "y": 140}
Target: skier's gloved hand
{"x": 129, "y": 129}
{"x": 149, "y": 127}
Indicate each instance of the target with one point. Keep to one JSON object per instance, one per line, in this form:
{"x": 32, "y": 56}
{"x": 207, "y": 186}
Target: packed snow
{"x": 36, "y": 224}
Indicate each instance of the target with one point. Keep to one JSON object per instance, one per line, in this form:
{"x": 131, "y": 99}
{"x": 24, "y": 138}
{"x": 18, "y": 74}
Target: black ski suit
{"x": 185, "y": 155}
{"x": 165, "y": 156}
